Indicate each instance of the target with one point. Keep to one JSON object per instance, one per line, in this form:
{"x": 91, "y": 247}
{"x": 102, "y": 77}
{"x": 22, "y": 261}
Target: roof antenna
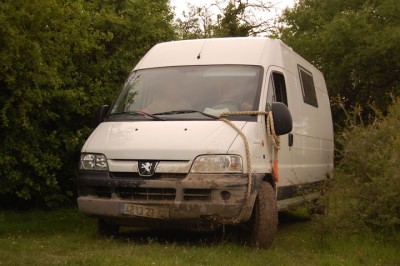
{"x": 201, "y": 49}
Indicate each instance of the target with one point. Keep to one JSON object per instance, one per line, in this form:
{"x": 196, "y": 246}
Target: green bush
{"x": 369, "y": 173}
{"x": 59, "y": 61}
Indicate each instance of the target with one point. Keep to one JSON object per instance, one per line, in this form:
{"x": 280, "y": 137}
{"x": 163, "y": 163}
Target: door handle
{"x": 290, "y": 139}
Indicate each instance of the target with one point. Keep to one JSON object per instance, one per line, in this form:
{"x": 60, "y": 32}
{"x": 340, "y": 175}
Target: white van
{"x": 189, "y": 141}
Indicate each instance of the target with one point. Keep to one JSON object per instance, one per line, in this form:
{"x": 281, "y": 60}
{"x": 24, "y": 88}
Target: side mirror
{"x": 100, "y": 115}
{"x": 282, "y": 118}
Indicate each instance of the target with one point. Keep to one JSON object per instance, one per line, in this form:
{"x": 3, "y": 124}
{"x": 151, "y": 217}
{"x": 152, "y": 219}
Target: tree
{"x": 60, "y": 60}
{"x": 197, "y": 23}
{"x": 355, "y": 43}
{"x": 233, "y": 22}
{"x": 225, "y": 19}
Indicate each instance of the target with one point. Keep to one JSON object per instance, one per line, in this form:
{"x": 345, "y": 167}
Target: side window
{"x": 307, "y": 86}
{"x": 270, "y": 94}
{"x": 280, "y": 88}
{"x": 276, "y": 90}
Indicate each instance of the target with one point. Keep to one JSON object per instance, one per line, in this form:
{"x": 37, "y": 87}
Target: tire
{"x": 263, "y": 224}
{"x": 105, "y": 228}
{"x": 320, "y": 206}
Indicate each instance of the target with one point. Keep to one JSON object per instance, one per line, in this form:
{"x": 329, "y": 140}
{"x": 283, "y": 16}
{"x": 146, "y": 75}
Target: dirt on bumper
{"x": 192, "y": 199}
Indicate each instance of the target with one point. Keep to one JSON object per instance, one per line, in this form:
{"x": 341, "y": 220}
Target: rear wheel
{"x": 263, "y": 224}
{"x": 320, "y": 206}
{"x": 105, "y": 228}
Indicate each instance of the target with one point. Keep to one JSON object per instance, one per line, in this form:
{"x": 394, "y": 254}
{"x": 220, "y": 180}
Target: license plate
{"x": 146, "y": 211}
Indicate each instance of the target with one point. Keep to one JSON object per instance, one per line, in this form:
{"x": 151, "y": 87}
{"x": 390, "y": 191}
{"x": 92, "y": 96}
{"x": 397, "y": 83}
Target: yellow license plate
{"x": 146, "y": 211}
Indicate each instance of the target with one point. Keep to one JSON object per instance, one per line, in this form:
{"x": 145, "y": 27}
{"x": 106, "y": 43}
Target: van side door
{"x": 277, "y": 92}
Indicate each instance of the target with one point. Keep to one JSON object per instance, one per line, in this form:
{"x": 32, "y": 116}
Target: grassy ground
{"x": 66, "y": 237}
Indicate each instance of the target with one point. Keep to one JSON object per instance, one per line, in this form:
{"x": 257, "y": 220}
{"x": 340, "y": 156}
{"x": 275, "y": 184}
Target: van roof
{"x": 238, "y": 50}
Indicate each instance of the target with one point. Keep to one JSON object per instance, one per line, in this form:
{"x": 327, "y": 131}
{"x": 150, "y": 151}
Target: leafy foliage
{"x": 364, "y": 195}
{"x": 230, "y": 24}
{"x": 60, "y": 60}
{"x": 370, "y": 159}
{"x": 354, "y": 43}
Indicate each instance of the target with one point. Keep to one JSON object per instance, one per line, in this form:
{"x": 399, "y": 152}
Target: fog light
{"x": 226, "y": 195}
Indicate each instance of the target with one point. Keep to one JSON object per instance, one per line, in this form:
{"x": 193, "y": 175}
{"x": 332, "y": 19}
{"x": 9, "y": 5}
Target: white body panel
{"x": 168, "y": 140}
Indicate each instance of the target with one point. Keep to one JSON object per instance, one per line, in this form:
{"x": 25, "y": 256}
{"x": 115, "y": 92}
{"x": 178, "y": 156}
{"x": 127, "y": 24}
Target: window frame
{"x": 271, "y": 89}
{"x": 283, "y": 91}
{"x": 309, "y": 93}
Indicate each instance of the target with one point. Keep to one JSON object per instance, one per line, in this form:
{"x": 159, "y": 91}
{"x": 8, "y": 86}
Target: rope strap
{"x": 275, "y": 140}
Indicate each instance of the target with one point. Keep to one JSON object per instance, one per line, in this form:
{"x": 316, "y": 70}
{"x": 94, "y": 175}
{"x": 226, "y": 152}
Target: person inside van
{"x": 169, "y": 98}
{"x": 234, "y": 98}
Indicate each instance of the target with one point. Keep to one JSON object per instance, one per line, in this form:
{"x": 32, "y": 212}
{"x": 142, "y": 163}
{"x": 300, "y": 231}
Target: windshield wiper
{"x": 186, "y": 112}
{"x": 139, "y": 113}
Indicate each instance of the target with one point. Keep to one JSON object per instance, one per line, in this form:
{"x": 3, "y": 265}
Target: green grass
{"x": 66, "y": 237}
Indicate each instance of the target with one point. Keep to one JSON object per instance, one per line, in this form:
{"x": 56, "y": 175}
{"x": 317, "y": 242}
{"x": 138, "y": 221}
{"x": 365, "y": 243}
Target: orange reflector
{"x": 275, "y": 171}
{"x": 262, "y": 142}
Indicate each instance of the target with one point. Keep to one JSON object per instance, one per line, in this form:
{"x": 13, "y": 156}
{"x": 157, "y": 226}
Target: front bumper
{"x": 189, "y": 198}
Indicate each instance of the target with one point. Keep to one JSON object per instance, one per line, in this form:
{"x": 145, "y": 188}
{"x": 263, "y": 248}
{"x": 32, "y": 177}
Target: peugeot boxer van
{"x": 206, "y": 133}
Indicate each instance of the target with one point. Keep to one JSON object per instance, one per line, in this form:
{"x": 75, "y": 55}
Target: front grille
{"x": 134, "y": 175}
{"x": 118, "y": 175}
{"x": 197, "y": 194}
{"x": 146, "y": 193}
{"x": 101, "y": 192}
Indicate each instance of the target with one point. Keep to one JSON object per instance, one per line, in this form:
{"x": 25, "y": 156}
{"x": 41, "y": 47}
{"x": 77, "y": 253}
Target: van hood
{"x": 161, "y": 140}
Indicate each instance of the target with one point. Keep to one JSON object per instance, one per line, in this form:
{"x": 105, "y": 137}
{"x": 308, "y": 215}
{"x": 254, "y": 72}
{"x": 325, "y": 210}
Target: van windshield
{"x": 189, "y": 93}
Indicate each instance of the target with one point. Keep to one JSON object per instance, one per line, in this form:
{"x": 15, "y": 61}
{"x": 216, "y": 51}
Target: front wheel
{"x": 263, "y": 224}
{"x": 105, "y": 228}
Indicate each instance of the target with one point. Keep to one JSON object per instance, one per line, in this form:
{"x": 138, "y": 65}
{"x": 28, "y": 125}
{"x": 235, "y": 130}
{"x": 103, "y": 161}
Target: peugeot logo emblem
{"x": 147, "y": 168}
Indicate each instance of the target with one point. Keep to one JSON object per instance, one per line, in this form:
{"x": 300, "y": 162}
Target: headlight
{"x": 217, "y": 164}
{"x": 93, "y": 161}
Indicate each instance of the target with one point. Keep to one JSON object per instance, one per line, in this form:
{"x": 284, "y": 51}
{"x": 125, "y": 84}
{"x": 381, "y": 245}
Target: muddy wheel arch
{"x": 261, "y": 229}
